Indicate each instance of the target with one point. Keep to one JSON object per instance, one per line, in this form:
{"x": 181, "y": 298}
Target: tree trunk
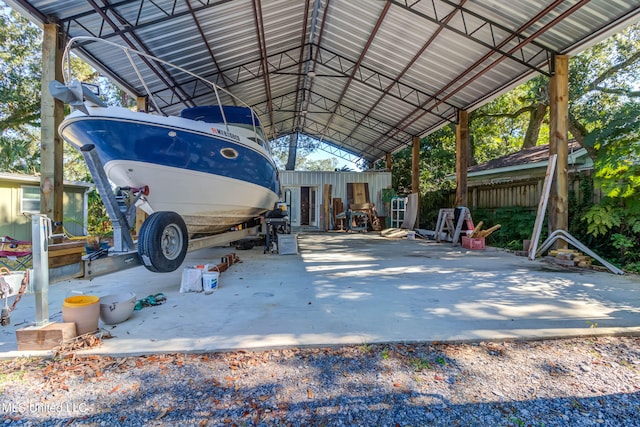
{"x": 293, "y": 152}
{"x": 579, "y": 132}
{"x": 535, "y": 122}
{"x": 472, "y": 151}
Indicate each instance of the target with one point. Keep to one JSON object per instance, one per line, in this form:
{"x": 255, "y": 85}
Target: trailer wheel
{"x": 163, "y": 242}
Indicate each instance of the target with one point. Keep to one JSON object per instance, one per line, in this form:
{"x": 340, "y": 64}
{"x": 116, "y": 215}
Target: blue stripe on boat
{"x": 117, "y": 139}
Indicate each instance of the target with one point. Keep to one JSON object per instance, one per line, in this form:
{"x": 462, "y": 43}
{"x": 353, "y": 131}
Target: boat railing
{"x": 130, "y": 54}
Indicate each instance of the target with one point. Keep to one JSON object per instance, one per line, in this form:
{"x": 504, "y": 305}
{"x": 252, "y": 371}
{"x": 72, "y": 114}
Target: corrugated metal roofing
{"x": 362, "y": 75}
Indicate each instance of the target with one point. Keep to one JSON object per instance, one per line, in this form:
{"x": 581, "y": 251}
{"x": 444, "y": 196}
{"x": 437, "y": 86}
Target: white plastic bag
{"x": 191, "y": 280}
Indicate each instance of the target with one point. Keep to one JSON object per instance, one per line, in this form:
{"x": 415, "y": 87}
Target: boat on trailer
{"x": 201, "y": 173}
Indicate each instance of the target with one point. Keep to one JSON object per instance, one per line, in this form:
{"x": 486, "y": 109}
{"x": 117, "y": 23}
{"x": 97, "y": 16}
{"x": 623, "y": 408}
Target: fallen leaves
{"x": 266, "y": 387}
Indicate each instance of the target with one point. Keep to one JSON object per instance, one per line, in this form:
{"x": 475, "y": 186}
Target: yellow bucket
{"x": 84, "y": 311}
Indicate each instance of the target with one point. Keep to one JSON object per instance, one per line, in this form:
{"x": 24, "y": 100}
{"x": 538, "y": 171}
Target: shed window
{"x": 30, "y": 201}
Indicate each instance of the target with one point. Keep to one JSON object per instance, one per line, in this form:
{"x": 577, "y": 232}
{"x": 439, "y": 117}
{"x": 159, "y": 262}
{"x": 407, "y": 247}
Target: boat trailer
{"x": 125, "y": 252}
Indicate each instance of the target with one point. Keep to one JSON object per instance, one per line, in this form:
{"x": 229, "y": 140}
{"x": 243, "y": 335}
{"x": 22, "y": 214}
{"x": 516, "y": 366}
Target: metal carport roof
{"x": 365, "y": 76}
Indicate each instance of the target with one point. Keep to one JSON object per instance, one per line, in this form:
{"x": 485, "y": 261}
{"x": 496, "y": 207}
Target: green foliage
{"x": 420, "y": 364}
{"x": 516, "y": 225}
{"x": 385, "y": 353}
{"x": 437, "y": 161}
{"x": 605, "y": 76}
{"x": 98, "y": 220}
{"x": 601, "y": 219}
{"x": 430, "y": 204}
{"x": 19, "y": 93}
{"x": 498, "y": 128}
{"x": 305, "y": 146}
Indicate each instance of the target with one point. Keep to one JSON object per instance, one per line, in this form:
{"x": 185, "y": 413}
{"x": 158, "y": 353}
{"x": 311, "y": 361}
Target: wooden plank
{"x": 338, "y": 207}
{"x": 64, "y": 252}
{"x": 45, "y": 338}
{"x": 60, "y": 261}
{"x": 326, "y": 202}
{"x": 464, "y": 215}
{"x": 357, "y": 193}
{"x": 542, "y": 207}
{"x": 445, "y": 222}
{"x": 66, "y": 245}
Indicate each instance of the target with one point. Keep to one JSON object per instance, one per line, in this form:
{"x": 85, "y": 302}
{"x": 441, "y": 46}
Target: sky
{"x": 321, "y": 154}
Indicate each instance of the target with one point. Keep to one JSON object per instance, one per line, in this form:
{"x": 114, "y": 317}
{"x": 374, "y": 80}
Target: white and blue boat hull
{"x": 214, "y": 176}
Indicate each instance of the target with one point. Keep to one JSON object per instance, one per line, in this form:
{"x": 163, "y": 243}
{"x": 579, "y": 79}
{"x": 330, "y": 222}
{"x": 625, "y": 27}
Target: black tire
{"x": 163, "y": 242}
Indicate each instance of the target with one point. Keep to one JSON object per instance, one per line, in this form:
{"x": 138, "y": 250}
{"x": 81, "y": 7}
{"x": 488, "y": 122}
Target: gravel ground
{"x": 577, "y": 382}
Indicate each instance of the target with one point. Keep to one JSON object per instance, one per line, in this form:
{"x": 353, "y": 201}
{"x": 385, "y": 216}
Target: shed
{"x": 304, "y": 192}
{"x": 20, "y": 195}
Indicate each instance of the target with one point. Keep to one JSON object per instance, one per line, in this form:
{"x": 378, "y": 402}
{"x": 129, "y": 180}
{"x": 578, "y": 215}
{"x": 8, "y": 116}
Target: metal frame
{"x": 330, "y": 81}
{"x": 564, "y": 235}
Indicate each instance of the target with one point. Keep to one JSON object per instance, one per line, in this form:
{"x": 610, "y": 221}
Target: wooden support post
{"x": 415, "y": 166}
{"x": 462, "y": 157}
{"x": 553, "y": 149}
{"x": 559, "y": 144}
{"x": 52, "y": 114}
{"x": 415, "y": 175}
{"x": 388, "y": 161}
{"x": 141, "y": 104}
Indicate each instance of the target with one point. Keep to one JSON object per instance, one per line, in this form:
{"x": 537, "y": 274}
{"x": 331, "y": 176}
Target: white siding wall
{"x": 339, "y": 180}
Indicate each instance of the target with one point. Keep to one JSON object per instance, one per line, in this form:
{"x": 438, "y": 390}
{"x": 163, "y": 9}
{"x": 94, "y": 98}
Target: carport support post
{"x": 559, "y": 144}
{"x": 141, "y": 216}
{"x": 415, "y": 172}
{"x": 141, "y": 104}
{"x": 388, "y": 161}
{"x": 462, "y": 157}
{"x": 52, "y": 114}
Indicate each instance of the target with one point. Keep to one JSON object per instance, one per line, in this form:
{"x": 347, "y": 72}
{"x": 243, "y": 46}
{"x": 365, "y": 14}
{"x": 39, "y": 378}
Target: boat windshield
{"x": 238, "y": 114}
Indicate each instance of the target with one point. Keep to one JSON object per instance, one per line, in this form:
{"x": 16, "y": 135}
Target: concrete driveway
{"x": 353, "y": 289}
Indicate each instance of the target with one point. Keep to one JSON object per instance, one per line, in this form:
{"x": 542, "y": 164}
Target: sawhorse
{"x": 446, "y": 219}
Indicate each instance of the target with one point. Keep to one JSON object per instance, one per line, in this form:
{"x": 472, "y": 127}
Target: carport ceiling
{"x": 365, "y": 76}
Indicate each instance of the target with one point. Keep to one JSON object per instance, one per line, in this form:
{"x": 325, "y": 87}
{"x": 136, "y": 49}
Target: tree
{"x": 512, "y": 122}
{"x": 19, "y": 93}
{"x": 290, "y": 152}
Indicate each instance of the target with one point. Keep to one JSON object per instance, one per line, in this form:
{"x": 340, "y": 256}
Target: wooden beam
{"x": 388, "y": 161}
{"x": 462, "y": 157}
{"x": 559, "y": 144}
{"x": 553, "y": 151}
{"x": 52, "y": 114}
{"x": 415, "y": 166}
{"x": 141, "y": 103}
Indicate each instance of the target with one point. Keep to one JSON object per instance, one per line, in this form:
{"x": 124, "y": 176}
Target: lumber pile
{"x": 369, "y": 209}
{"x": 569, "y": 258}
{"x": 479, "y": 233}
{"x": 225, "y": 262}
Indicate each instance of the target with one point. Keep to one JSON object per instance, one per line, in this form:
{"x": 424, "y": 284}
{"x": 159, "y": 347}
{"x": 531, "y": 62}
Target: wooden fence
{"x": 521, "y": 193}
